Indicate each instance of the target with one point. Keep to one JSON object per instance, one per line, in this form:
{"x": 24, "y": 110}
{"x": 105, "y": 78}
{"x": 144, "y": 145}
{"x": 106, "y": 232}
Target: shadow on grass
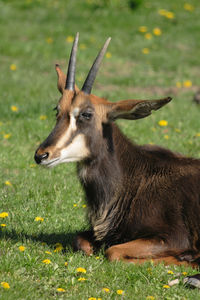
{"x": 66, "y": 239}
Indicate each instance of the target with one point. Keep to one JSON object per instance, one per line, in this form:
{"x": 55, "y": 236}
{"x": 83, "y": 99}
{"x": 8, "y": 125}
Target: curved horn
{"x": 70, "y": 81}
{"x": 87, "y": 86}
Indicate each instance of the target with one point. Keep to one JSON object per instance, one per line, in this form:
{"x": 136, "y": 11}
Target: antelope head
{"x": 78, "y": 134}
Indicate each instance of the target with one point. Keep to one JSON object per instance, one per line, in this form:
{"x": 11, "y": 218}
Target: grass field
{"x": 162, "y": 61}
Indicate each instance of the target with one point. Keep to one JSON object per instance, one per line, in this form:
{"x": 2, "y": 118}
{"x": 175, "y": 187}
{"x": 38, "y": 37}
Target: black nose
{"x": 39, "y": 158}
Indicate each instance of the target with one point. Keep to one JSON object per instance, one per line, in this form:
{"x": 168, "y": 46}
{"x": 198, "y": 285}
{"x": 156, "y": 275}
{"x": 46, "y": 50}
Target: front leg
{"x": 84, "y": 241}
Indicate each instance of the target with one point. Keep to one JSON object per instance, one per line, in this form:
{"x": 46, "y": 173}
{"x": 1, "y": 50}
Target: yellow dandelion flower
{"x": 22, "y": 248}
{"x": 184, "y": 273}
{"x": 69, "y": 39}
{"x": 97, "y": 257}
{"x": 108, "y": 55}
{"x": 142, "y": 29}
{"x": 82, "y": 46}
{"x": 37, "y": 219}
{"x": 188, "y": 7}
{"x": 7, "y": 136}
{"x": 170, "y": 272}
{"x": 163, "y": 123}
{"x": 5, "y": 285}
{"x": 106, "y": 290}
{"x": 166, "y": 137}
{"x": 150, "y": 298}
{"x": 81, "y": 279}
{"x": 3, "y": 215}
{"x": 32, "y": 165}
{"x": 157, "y": 31}
{"x": 48, "y": 252}
{"x": 43, "y": 117}
{"x": 66, "y": 264}
{"x": 46, "y": 261}
{"x": 169, "y": 15}
{"x": 7, "y": 182}
{"x": 14, "y": 108}
{"x": 60, "y": 290}
{"x": 148, "y": 36}
{"x": 178, "y": 84}
{"x": 162, "y": 12}
{"x": 166, "y": 286}
{"x": 145, "y": 50}
{"x": 74, "y": 205}
{"x": 58, "y": 248}
{"x": 84, "y": 205}
{"x": 3, "y": 225}
{"x": 197, "y": 134}
{"x": 92, "y": 298}
{"x": 120, "y": 292}
{"x": 49, "y": 40}
{"x": 13, "y": 67}
{"x": 81, "y": 270}
{"x": 187, "y": 83}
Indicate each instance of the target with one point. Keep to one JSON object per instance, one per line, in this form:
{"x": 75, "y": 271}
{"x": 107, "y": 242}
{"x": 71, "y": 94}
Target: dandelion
{"x": 59, "y": 247}
{"x": 82, "y": 46}
{"x": 157, "y": 31}
{"x": 5, "y": 285}
{"x": 3, "y": 215}
{"x": 7, "y": 136}
{"x": 143, "y": 29}
{"x": 92, "y": 298}
{"x": 43, "y": 117}
{"x": 187, "y": 83}
{"x": 106, "y": 290}
{"x": 178, "y": 84}
{"x": 81, "y": 270}
{"x": 150, "y": 298}
{"x": 7, "y": 182}
{"x": 3, "y": 225}
{"x": 188, "y": 7}
{"x": 148, "y": 36}
{"x": 66, "y": 264}
{"x": 120, "y": 292}
{"x": 97, "y": 257}
{"x": 74, "y": 205}
{"x": 170, "y": 272}
{"x": 84, "y": 205}
{"x": 166, "y": 137}
{"x": 145, "y": 50}
{"x": 60, "y": 290}
{"x": 13, "y": 67}
{"x": 108, "y": 55}
{"x": 197, "y": 134}
{"x": 166, "y": 286}
{"x": 169, "y": 15}
{"x": 37, "y": 219}
{"x": 14, "y": 108}
{"x": 22, "y": 248}
{"x": 184, "y": 273}
{"x": 69, "y": 39}
{"x": 48, "y": 252}
{"x": 46, "y": 261}
{"x": 163, "y": 123}
{"x": 81, "y": 279}
{"x": 49, "y": 40}
{"x": 162, "y": 12}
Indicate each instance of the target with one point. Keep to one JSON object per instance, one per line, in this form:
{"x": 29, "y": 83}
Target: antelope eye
{"x": 86, "y": 115}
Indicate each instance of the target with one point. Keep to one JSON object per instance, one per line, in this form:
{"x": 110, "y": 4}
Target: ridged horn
{"x": 87, "y": 86}
{"x": 70, "y": 81}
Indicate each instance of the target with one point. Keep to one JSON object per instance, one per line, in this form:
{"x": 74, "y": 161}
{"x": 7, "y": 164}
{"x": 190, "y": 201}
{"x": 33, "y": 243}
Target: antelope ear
{"x": 134, "y": 109}
{"x": 62, "y": 80}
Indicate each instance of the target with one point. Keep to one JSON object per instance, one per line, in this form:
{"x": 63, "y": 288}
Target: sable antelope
{"x": 143, "y": 201}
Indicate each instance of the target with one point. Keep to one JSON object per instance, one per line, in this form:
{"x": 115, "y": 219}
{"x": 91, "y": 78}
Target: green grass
{"x": 173, "y": 57}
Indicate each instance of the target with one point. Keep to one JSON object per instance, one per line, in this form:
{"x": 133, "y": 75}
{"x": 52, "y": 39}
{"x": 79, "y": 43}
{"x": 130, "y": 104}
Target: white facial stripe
{"x": 75, "y": 151}
{"x": 67, "y": 135}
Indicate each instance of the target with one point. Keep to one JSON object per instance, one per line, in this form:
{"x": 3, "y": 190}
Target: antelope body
{"x": 144, "y": 201}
